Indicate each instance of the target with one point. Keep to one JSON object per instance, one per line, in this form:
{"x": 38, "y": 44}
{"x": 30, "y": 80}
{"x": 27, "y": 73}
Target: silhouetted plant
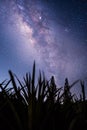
{"x": 37, "y": 106}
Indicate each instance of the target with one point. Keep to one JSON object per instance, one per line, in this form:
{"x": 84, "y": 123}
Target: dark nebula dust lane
{"x": 52, "y": 32}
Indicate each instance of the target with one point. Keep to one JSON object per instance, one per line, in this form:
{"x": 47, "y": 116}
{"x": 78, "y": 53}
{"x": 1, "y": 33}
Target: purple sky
{"x": 51, "y": 32}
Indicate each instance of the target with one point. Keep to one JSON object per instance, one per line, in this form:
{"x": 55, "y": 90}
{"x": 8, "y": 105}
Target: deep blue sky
{"x": 52, "y": 32}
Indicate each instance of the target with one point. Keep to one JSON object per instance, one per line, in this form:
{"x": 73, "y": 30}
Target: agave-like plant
{"x": 39, "y": 106}
{"x": 8, "y": 106}
{"x": 33, "y": 97}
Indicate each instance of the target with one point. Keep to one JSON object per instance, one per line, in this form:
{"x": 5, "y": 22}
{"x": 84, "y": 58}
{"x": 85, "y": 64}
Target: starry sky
{"x": 51, "y": 32}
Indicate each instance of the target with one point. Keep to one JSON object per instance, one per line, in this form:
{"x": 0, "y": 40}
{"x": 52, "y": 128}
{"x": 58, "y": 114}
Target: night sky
{"x": 51, "y": 32}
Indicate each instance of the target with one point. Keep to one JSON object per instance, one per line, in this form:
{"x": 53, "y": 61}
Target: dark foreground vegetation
{"x": 25, "y": 105}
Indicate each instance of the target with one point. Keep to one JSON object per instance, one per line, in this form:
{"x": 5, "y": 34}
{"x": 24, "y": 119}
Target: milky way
{"x": 51, "y": 33}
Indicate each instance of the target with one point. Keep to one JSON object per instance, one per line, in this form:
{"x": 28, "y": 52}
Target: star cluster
{"x": 54, "y": 33}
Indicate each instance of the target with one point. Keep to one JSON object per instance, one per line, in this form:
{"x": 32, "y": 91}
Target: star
{"x": 51, "y": 32}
